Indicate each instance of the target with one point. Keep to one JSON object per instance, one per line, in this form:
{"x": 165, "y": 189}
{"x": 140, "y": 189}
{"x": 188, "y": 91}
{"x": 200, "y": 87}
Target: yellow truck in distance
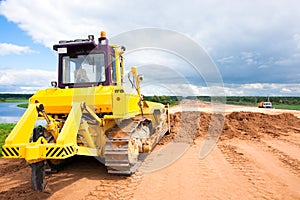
{"x": 265, "y": 104}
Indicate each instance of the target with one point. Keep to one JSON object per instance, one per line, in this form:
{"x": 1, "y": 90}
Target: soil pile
{"x": 248, "y": 125}
{"x": 186, "y": 126}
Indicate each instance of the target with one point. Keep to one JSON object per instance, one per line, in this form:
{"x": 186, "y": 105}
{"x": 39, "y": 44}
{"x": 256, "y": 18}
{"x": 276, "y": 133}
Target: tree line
{"x": 5, "y": 97}
{"x": 173, "y": 100}
{"x": 240, "y": 100}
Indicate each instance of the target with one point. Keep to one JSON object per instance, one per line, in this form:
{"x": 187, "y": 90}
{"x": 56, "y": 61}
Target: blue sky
{"x": 255, "y": 45}
{"x": 35, "y": 57}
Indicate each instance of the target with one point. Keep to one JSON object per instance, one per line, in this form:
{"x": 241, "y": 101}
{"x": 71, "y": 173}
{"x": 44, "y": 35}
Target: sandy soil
{"x": 256, "y": 157}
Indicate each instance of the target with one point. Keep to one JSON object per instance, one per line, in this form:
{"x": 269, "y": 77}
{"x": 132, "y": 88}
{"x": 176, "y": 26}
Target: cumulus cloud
{"x": 212, "y": 23}
{"x": 8, "y": 49}
{"x": 49, "y": 21}
{"x": 251, "y": 42}
{"x": 262, "y": 89}
{"x": 296, "y": 38}
{"x": 286, "y": 90}
{"x": 25, "y": 81}
{"x": 226, "y": 60}
{"x": 256, "y": 89}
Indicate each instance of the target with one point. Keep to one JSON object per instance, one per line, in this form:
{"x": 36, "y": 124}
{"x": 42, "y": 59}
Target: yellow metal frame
{"x": 17, "y": 144}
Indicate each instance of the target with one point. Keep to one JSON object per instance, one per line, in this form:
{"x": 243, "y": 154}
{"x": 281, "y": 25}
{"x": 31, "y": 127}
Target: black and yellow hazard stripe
{"x": 10, "y": 152}
{"x": 59, "y": 152}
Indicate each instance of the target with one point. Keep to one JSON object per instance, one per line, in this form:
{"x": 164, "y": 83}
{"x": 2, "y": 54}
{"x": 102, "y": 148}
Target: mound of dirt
{"x": 248, "y": 125}
{"x": 186, "y": 126}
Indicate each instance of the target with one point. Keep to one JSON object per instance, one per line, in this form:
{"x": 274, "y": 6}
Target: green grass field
{"x": 288, "y": 107}
{"x": 5, "y": 129}
{"x": 23, "y": 105}
{"x": 15, "y": 100}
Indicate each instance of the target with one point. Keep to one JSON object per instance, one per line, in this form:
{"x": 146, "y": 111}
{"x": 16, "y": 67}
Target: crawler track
{"x": 125, "y": 144}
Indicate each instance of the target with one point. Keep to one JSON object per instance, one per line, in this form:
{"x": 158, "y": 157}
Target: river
{"x": 10, "y": 113}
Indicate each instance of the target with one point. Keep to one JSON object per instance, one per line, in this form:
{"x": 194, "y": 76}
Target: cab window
{"x": 83, "y": 69}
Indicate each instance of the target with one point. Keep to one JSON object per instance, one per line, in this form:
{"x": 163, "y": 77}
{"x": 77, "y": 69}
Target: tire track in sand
{"x": 279, "y": 177}
{"x": 287, "y": 160}
{"x": 242, "y": 164}
{"x": 116, "y": 187}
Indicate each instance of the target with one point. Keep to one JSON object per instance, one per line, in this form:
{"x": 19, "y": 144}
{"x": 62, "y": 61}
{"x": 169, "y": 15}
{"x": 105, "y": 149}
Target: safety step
{"x": 117, "y": 164}
{"x": 113, "y": 162}
{"x": 120, "y": 154}
{"x": 117, "y": 149}
{"x": 120, "y": 172}
{"x": 118, "y": 168}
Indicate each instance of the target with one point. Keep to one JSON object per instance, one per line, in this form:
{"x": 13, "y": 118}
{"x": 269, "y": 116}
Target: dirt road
{"x": 256, "y": 157}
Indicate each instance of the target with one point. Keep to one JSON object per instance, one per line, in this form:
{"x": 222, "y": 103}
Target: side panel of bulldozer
{"x": 59, "y": 101}
{"x": 125, "y": 105}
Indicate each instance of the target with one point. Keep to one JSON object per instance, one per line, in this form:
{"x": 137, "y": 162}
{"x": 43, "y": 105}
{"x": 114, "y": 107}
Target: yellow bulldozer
{"x": 88, "y": 112}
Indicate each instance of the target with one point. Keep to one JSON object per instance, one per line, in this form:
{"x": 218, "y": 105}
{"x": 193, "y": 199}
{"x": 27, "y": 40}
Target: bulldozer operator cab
{"x": 83, "y": 63}
{"x": 83, "y": 69}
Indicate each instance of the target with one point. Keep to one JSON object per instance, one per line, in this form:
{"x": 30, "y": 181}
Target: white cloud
{"x": 292, "y": 60}
{"x": 212, "y": 23}
{"x": 296, "y": 38}
{"x": 246, "y": 55}
{"x": 8, "y": 49}
{"x": 253, "y": 86}
{"x": 286, "y": 90}
{"x": 154, "y": 57}
{"x": 25, "y": 81}
{"x": 176, "y": 89}
{"x": 239, "y": 34}
{"x": 49, "y": 21}
{"x": 226, "y": 60}
{"x": 263, "y": 66}
{"x": 29, "y": 81}
{"x": 229, "y": 90}
{"x": 250, "y": 58}
{"x": 262, "y": 89}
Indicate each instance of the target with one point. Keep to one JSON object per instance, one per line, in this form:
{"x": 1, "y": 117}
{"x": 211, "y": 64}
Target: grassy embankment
{"x": 23, "y": 105}
{"x": 290, "y": 103}
{"x": 288, "y": 107}
{"x": 15, "y": 98}
{"x": 5, "y": 129}
{"x": 21, "y": 101}
{"x": 275, "y": 105}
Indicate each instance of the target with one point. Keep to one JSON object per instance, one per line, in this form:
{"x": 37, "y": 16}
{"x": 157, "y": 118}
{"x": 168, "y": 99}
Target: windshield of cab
{"x": 83, "y": 69}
